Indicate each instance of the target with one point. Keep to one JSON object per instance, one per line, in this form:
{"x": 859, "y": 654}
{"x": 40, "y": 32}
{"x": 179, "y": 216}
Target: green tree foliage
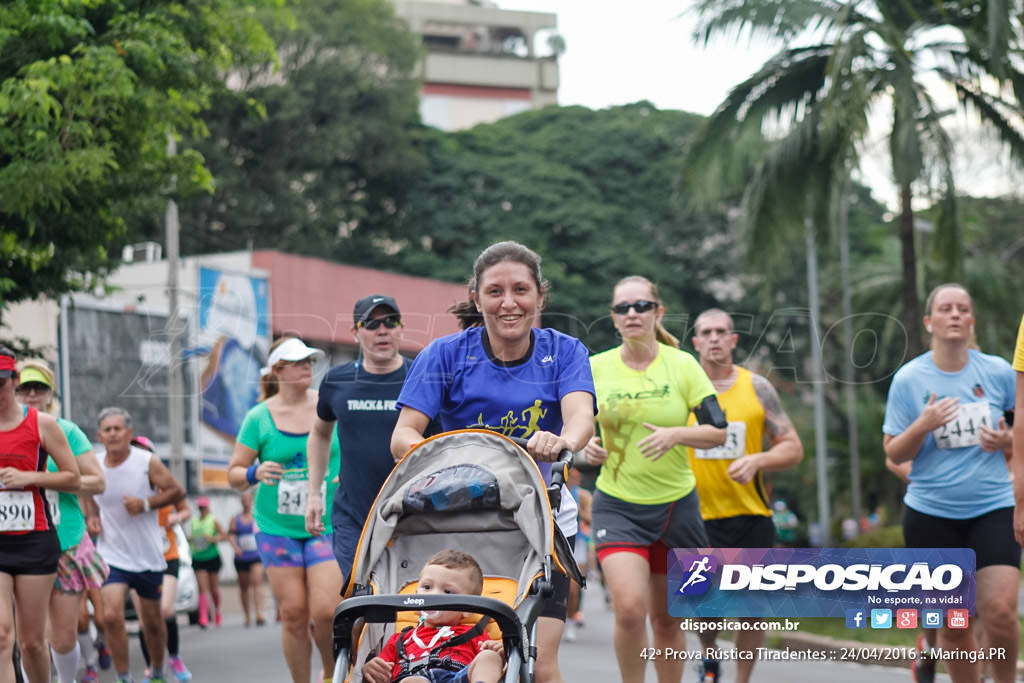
{"x": 595, "y": 193}
{"x": 312, "y": 157}
{"x": 777, "y": 345}
{"x": 89, "y": 92}
{"x": 842, "y": 61}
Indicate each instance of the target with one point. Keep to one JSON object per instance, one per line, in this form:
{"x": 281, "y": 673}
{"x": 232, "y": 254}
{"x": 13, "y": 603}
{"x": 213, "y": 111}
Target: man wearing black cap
{"x": 360, "y": 397}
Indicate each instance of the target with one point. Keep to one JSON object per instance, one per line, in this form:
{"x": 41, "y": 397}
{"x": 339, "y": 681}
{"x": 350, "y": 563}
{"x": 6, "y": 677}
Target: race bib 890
{"x": 17, "y": 511}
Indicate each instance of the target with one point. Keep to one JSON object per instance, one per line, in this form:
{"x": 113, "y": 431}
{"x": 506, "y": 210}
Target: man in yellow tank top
{"x": 730, "y": 478}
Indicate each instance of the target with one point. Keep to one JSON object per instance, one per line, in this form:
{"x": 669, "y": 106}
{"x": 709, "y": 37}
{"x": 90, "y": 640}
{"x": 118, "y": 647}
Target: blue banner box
{"x": 817, "y": 582}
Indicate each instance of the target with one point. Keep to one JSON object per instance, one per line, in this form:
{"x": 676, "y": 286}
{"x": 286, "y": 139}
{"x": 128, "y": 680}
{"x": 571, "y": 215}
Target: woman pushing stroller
{"x": 503, "y": 374}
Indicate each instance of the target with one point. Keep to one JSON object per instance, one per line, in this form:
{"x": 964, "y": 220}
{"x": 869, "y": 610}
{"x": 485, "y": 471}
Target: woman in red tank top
{"x": 29, "y": 549}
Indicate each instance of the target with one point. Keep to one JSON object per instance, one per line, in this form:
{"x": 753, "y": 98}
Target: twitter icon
{"x": 881, "y": 618}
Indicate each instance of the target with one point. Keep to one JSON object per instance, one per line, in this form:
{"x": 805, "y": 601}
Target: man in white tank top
{"x": 130, "y": 538}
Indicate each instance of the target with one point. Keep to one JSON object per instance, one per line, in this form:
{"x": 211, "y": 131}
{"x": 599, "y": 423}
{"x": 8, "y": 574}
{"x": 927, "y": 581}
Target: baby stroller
{"x": 471, "y": 490}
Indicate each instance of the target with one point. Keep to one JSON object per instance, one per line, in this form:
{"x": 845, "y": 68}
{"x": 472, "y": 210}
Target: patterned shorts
{"x": 282, "y": 551}
{"x": 80, "y": 568}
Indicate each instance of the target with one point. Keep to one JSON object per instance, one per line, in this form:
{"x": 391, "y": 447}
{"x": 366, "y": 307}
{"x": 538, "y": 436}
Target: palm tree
{"x": 841, "y": 65}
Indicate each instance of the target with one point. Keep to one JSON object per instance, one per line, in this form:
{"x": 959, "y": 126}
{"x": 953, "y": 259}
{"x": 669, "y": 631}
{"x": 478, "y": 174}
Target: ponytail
{"x": 467, "y": 314}
{"x": 664, "y": 336}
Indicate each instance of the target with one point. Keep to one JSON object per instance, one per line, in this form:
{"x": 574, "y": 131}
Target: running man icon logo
{"x": 696, "y": 580}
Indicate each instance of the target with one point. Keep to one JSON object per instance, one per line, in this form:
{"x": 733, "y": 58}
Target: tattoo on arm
{"x": 776, "y": 422}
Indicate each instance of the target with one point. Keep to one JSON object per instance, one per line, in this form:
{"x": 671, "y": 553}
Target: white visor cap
{"x": 291, "y": 351}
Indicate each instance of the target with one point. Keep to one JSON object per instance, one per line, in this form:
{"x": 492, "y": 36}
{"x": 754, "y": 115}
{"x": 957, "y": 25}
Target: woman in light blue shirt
{"x": 944, "y": 414}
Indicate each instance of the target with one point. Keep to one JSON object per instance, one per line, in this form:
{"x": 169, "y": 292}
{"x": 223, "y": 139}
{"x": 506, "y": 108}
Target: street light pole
{"x": 175, "y": 380}
{"x": 849, "y": 377}
{"x": 818, "y": 378}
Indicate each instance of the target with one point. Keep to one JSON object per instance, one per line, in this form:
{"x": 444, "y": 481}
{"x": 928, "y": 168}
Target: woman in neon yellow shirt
{"x": 206, "y": 533}
{"x": 645, "y": 500}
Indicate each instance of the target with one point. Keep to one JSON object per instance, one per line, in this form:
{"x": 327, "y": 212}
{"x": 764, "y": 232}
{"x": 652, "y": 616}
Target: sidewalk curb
{"x": 865, "y": 653}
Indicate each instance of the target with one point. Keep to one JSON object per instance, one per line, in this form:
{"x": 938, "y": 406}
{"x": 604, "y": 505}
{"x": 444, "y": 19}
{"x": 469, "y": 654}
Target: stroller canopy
{"x": 471, "y": 490}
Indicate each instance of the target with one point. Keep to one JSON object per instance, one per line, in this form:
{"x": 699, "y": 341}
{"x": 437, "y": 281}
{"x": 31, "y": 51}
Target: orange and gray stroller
{"x": 471, "y": 490}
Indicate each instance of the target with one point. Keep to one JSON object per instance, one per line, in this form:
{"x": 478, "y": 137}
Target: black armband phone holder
{"x": 710, "y": 413}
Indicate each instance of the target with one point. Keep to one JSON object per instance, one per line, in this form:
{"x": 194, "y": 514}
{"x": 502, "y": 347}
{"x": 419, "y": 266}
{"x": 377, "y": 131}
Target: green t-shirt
{"x": 204, "y": 530}
{"x": 663, "y": 394}
{"x": 67, "y": 514}
{"x": 280, "y": 509}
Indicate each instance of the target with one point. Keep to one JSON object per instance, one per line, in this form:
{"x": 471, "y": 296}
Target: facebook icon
{"x": 855, "y": 618}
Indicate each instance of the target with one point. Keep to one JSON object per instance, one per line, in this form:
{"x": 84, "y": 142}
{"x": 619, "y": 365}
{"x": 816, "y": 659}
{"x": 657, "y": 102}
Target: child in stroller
{"x": 440, "y": 649}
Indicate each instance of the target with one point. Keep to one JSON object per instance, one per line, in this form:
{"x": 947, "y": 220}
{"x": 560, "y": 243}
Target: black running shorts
{"x": 742, "y": 531}
{"x": 34, "y": 553}
{"x": 990, "y": 536}
{"x": 631, "y": 527}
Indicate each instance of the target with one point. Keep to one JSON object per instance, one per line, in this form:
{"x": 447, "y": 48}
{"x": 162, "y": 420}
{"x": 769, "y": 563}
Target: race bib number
{"x": 17, "y": 511}
{"x": 964, "y": 429}
{"x": 292, "y": 494}
{"x": 247, "y": 542}
{"x": 735, "y": 444}
{"x": 200, "y": 543}
{"x": 53, "y": 501}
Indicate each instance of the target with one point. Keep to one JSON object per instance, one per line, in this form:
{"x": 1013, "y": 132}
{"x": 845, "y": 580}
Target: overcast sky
{"x": 619, "y": 53}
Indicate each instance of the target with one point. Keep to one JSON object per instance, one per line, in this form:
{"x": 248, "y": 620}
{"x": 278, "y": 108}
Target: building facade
{"x": 482, "y": 62}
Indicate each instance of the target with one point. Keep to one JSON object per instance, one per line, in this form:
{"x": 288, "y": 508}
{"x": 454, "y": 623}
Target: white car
{"x": 187, "y": 599}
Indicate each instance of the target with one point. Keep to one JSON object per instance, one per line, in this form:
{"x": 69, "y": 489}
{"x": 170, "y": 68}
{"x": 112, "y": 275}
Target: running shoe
{"x": 260, "y": 621}
{"x": 569, "y": 634}
{"x": 90, "y": 675}
{"x": 179, "y": 669}
{"x": 106, "y": 659}
{"x": 145, "y": 676}
{"x": 707, "y": 671}
{"x": 217, "y": 618}
{"x": 923, "y": 667}
{"x": 204, "y": 620}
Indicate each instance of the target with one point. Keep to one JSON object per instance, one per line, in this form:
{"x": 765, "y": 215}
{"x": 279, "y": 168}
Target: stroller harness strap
{"x": 434, "y": 660}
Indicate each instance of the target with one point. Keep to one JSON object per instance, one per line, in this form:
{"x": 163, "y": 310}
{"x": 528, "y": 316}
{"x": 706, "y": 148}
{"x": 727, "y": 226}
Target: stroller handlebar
{"x": 559, "y": 472}
{"x": 383, "y": 608}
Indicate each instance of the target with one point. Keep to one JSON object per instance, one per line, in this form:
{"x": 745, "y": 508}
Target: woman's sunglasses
{"x": 390, "y": 322}
{"x": 641, "y": 306}
{"x": 32, "y": 387}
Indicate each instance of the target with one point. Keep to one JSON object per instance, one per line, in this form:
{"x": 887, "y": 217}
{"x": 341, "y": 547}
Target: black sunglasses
{"x": 30, "y": 387}
{"x": 390, "y": 322}
{"x": 640, "y": 306}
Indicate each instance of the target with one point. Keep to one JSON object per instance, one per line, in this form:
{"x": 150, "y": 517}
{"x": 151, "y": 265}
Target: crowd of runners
{"x": 684, "y": 444}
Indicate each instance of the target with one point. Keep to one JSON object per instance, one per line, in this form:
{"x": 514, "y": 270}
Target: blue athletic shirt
{"x": 363, "y": 404}
{"x": 456, "y": 378}
{"x": 956, "y": 483}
